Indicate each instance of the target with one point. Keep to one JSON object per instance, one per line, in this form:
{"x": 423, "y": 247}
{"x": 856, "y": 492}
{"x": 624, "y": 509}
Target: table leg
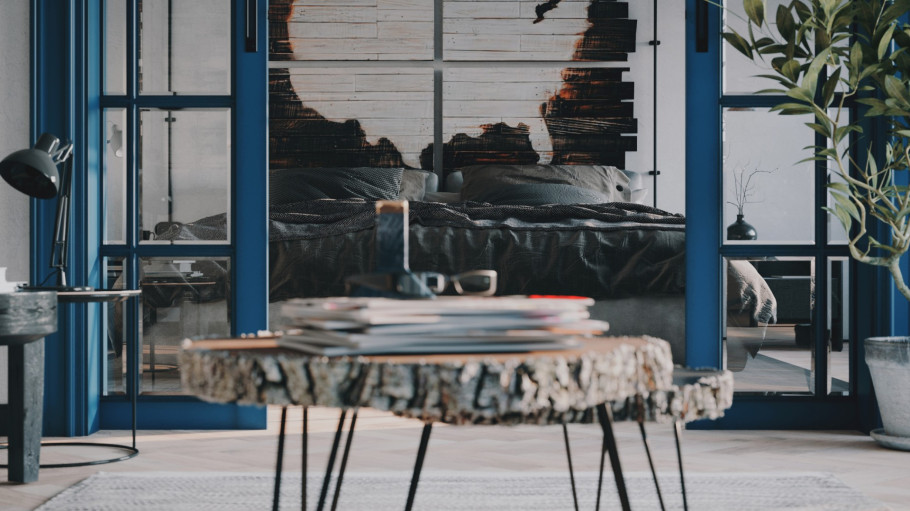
{"x": 677, "y": 432}
{"x": 303, "y": 464}
{"x": 565, "y": 436}
{"x": 418, "y": 464}
{"x": 276, "y": 497}
{"x": 332, "y": 454}
{"x": 344, "y": 460}
{"x": 605, "y": 415}
{"x": 644, "y": 440}
{"x": 26, "y": 406}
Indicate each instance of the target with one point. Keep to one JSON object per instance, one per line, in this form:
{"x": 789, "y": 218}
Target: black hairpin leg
{"x": 276, "y": 498}
{"x": 644, "y": 439}
{"x": 303, "y": 464}
{"x": 565, "y": 436}
{"x": 677, "y": 432}
{"x": 344, "y": 460}
{"x": 418, "y": 464}
{"x": 609, "y": 445}
{"x": 331, "y": 464}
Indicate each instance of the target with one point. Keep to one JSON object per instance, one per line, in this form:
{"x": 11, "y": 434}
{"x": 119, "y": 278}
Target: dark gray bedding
{"x": 611, "y": 250}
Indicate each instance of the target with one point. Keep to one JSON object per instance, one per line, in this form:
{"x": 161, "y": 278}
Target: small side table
{"x": 26, "y": 317}
{"x": 101, "y": 296}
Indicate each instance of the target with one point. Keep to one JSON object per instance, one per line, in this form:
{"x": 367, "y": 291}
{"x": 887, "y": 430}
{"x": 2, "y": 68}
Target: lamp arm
{"x": 59, "y": 251}
{"x": 63, "y": 153}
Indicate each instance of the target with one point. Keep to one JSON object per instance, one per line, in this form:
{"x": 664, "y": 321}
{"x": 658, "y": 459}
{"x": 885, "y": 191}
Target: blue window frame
{"x": 68, "y": 100}
{"x": 706, "y": 253}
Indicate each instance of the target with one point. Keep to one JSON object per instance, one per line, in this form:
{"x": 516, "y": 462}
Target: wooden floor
{"x": 385, "y": 442}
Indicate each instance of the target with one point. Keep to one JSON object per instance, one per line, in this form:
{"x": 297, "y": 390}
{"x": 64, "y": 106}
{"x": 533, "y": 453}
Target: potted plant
{"x": 825, "y": 56}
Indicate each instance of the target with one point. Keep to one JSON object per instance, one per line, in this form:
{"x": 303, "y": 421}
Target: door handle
{"x": 252, "y": 22}
{"x": 701, "y": 26}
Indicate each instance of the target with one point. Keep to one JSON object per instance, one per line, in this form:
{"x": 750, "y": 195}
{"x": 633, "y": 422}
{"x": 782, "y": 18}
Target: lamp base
{"x": 59, "y": 289}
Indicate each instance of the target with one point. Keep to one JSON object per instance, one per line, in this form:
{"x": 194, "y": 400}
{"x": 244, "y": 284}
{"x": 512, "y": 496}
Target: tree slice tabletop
{"x": 544, "y": 387}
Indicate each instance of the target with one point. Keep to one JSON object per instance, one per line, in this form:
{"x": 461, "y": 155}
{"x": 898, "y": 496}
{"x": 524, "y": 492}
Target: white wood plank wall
{"x": 396, "y": 103}
{"x": 505, "y": 30}
{"x": 361, "y": 30}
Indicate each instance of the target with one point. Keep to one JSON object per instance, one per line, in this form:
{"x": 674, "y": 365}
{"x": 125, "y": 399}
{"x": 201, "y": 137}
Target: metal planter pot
{"x": 888, "y": 359}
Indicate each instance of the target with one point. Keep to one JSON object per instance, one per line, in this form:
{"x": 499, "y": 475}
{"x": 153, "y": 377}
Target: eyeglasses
{"x": 474, "y": 282}
{"x": 419, "y": 284}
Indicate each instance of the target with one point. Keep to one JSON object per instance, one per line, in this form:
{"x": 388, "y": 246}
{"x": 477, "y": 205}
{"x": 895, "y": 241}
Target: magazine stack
{"x": 448, "y": 324}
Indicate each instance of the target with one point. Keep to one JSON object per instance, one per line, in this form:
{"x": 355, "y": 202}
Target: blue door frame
{"x": 873, "y": 316}
{"x": 66, "y": 93}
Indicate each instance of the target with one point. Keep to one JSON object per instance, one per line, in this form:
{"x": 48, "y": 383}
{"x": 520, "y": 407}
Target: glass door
{"x": 183, "y": 212}
{"x": 768, "y": 264}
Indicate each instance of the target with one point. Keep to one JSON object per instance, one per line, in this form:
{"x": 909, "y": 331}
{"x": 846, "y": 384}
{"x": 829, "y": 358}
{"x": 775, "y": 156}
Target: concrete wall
{"x": 14, "y": 129}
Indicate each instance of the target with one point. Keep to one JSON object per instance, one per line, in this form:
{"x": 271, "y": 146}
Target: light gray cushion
{"x": 416, "y": 183}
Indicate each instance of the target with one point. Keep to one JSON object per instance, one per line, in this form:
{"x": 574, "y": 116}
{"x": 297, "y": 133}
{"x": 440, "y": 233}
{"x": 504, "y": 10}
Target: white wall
{"x": 14, "y": 128}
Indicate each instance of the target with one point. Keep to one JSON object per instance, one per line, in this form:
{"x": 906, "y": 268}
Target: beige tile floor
{"x": 385, "y": 442}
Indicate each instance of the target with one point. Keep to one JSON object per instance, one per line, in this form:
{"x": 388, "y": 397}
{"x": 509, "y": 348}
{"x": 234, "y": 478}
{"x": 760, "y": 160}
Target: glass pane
{"x": 839, "y": 325}
{"x": 115, "y": 46}
{"x": 739, "y": 72}
{"x": 762, "y": 179}
{"x": 185, "y": 47}
{"x": 114, "y": 172}
{"x": 181, "y": 298}
{"x": 116, "y": 369}
{"x": 185, "y": 173}
{"x": 767, "y": 356}
{"x": 351, "y": 30}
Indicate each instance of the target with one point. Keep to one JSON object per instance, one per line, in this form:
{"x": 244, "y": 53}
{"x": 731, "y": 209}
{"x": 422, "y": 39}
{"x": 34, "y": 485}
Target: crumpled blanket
{"x": 748, "y": 293}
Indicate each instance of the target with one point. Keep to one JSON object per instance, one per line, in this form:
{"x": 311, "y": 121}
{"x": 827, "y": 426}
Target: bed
{"x": 546, "y": 229}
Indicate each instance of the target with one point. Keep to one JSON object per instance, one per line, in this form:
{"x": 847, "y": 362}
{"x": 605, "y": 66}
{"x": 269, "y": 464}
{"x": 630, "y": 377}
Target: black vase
{"x": 741, "y": 230}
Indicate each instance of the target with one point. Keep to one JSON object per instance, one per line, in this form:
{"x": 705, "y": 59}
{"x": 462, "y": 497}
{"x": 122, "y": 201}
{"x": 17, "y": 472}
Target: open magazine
{"x": 457, "y": 324}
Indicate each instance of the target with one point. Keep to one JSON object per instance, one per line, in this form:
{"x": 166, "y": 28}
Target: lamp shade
{"x": 33, "y": 171}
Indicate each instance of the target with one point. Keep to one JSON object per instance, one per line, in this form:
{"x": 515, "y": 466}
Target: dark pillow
{"x": 608, "y": 181}
{"x": 540, "y": 194}
{"x": 370, "y": 183}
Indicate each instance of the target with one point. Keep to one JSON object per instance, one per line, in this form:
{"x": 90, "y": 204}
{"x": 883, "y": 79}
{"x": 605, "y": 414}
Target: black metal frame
{"x": 605, "y": 417}
{"x": 677, "y": 433}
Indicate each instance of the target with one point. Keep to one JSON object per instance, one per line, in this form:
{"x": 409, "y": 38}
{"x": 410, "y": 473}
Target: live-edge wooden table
{"x": 547, "y": 387}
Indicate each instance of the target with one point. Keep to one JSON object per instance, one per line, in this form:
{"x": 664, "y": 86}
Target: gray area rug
{"x": 441, "y": 491}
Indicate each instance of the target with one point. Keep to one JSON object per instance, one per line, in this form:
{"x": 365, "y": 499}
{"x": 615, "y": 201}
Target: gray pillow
{"x": 416, "y": 183}
{"x": 541, "y": 194}
{"x": 609, "y": 181}
{"x": 301, "y": 184}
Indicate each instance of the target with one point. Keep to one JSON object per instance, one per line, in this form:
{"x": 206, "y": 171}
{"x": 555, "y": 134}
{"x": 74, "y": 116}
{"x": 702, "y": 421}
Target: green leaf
{"x": 885, "y": 42}
{"x": 737, "y": 41}
{"x": 801, "y": 94}
{"x": 792, "y": 109}
{"x": 755, "y": 10}
{"x": 790, "y": 69}
{"x": 821, "y": 129}
{"x": 785, "y": 24}
{"x": 897, "y": 90}
{"x": 830, "y": 87}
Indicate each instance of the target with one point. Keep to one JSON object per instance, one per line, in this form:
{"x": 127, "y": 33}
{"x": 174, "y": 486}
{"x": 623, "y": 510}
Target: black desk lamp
{"x": 34, "y": 173}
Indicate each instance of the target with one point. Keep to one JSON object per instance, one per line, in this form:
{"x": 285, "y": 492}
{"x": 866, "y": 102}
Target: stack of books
{"x": 448, "y": 324}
